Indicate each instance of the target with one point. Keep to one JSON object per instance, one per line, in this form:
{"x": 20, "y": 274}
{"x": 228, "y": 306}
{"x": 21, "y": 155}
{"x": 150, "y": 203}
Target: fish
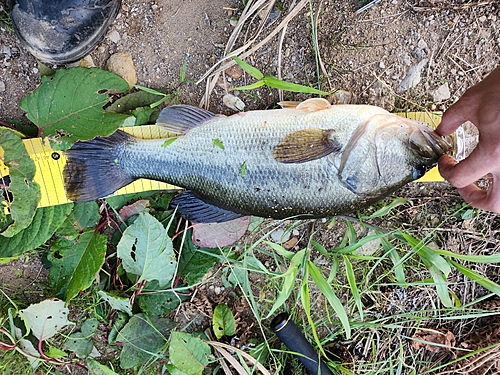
{"x": 307, "y": 160}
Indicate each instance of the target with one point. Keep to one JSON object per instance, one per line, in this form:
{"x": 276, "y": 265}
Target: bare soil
{"x": 372, "y": 55}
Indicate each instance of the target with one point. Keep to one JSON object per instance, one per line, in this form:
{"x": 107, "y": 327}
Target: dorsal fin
{"x": 179, "y": 119}
{"x": 306, "y": 145}
{"x": 309, "y": 105}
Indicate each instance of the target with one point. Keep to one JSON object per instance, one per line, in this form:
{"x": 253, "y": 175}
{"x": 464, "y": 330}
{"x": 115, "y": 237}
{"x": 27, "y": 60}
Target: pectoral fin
{"x": 305, "y": 145}
{"x": 309, "y": 105}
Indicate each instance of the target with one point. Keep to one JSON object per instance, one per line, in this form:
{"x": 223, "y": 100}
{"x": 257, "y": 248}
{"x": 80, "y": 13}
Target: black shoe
{"x": 62, "y": 31}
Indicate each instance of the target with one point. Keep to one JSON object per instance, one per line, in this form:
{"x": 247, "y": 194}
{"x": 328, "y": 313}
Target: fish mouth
{"x": 428, "y": 144}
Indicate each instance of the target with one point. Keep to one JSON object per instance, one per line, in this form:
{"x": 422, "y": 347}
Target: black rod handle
{"x": 293, "y": 338}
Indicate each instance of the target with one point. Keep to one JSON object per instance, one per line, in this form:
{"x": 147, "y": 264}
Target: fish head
{"x": 387, "y": 151}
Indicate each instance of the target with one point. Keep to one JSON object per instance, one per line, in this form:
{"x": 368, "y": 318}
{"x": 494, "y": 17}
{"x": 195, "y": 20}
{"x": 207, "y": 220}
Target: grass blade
{"x": 474, "y": 276}
{"x": 327, "y": 291}
{"x": 351, "y": 278}
{"x": 253, "y": 71}
{"x": 293, "y": 87}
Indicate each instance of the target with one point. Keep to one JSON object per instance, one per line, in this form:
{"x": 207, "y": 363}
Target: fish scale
{"x": 315, "y": 160}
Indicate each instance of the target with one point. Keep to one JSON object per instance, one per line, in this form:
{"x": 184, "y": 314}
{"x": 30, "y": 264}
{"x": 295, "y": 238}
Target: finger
{"x": 455, "y": 116}
{"x": 467, "y": 171}
{"x": 488, "y": 200}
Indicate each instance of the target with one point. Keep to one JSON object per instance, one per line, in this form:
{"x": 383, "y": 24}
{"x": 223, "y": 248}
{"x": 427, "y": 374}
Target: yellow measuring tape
{"x": 50, "y": 164}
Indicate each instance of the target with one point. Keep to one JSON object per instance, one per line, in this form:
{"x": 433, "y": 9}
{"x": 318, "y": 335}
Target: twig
{"x": 451, "y": 6}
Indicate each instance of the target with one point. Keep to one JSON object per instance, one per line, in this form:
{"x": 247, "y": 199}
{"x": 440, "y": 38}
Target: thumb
{"x": 453, "y": 117}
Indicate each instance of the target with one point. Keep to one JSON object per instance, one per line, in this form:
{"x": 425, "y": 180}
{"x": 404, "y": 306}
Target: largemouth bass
{"x": 312, "y": 160}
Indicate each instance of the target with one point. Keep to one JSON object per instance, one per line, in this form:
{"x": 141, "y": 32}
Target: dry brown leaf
{"x": 434, "y": 340}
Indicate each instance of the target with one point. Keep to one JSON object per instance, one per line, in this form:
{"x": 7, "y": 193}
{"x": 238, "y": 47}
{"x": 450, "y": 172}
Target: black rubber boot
{"x": 62, "y": 31}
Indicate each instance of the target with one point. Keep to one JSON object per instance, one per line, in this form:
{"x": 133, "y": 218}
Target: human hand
{"x": 480, "y": 105}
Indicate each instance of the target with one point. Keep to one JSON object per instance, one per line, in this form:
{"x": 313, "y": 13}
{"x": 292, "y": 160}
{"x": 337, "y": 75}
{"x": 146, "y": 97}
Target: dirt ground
{"x": 399, "y": 54}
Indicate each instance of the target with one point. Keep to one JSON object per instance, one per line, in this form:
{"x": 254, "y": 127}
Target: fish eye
{"x": 419, "y": 171}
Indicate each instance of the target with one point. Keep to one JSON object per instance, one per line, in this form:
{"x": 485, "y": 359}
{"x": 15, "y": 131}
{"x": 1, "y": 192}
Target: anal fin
{"x": 194, "y": 209}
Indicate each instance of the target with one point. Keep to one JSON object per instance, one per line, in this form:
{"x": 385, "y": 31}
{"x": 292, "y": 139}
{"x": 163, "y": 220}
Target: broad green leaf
{"x": 351, "y": 279}
{"x": 56, "y": 352}
{"x": 293, "y": 87}
{"x": 81, "y": 342}
{"x": 84, "y": 215}
{"x": 68, "y": 106}
{"x": 188, "y": 353}
{"x": 193, "y": 263}
{"x": 76, "y": 262}
{"x": 25, "y": 193}
{"x": 143, "y": 337}
{"x": 116, "y": 302}
{"x": 154, "y": 301}
{"x": 146, "y": 250}
{"x": 474, "y": 276}
{"x": 327, "y": 291}
{"x": 223, "y": 321}
{"x": 46, "y": 318}
{"x": 254, "y": 72}
{"x": 289, "y": 278}
{"x": 42, "y": 227}
{"x": 96, "y": 368}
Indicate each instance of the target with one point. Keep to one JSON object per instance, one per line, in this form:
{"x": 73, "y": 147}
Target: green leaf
{"x": 218, "y": 143}
{"x": 84, "y": 215}
{"x": 135, "y": 100}
{"x": 474, "y": 276}
{"x": 253, "y": 86}
{"x": 116, "y": 302}
{"x": 223, "y": 321}
{"x": 293, "y": 87}
{"x": 188, "y": 353}
{"x": 68, "y": 106}
{"x": 147, "y": 251}
{"x": 327, "y": 291}
{"x": 154, "y": 301}
{"x": 289, "y": 278}
{"x": 169, "y": 141}
{"x": 75, "y": 263}
{"x": 254, "y": 72}
{"x": 81, "y": 342}
{"x": 56, "y": 352}
{"x": 351, "y": 278}
{"x": 95, "y": 368}
{"x": 25, "y": 192}
{"x": 46, "y": 318}
{"x": 44, "y": 224}
{"x": 143, "y": 338}
{"x": 195, "y": 262}
{"x": 243, "y": 170}
{"x": 386, "y": 209}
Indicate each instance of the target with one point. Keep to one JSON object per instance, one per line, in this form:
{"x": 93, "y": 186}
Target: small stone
{"x": 413, "y": 76}
{"x": 381, "y": 65}
{"x": 217, "y": 290}
{"x": 441, "y": 93}
{"x": 87, "y": 62}
{"x": 121, "y": 63}
{"x": 290, "y": 243}
{"x": 2, "y": 86}
{"x": 233, "y": 102}
{"x": 280, "y": 236}
{"x": 482, "y": 19}
{"x": 114, "y": 36}
{"x": 154, "y": 7}
{"x": 235, "y": 72}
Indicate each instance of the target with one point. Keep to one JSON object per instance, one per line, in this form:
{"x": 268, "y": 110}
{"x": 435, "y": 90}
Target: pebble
{"x": 233, "y": 102}
{"x": 441, "y": 93}
{"x": 235, "y": 72}
{"x": 279, "y": 235}
{"x": 413, "y": 76}
{"x": 121, "y": 63}
{"x": 114, "y": 36}
{"x": 2, "y": 86}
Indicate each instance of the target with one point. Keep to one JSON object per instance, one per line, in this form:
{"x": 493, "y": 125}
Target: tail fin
{"x": 93, "y": 169}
